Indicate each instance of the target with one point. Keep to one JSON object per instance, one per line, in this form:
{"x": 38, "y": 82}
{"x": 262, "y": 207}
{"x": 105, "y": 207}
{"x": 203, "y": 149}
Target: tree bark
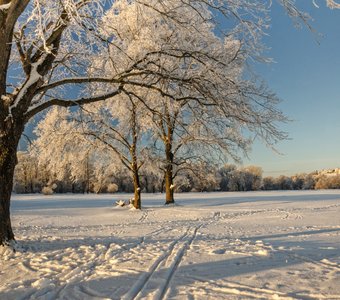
{"x": 136, "y": 186}
{"x": 8, "y": 161}
{"x": 134, "y": 165}
{"x": 169, "y": 187}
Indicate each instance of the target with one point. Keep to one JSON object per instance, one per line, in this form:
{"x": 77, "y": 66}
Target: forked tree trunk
{"x": 8, "y": 160}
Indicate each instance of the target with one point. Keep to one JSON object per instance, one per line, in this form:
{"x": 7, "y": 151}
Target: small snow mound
{"x": 262, "y": 252}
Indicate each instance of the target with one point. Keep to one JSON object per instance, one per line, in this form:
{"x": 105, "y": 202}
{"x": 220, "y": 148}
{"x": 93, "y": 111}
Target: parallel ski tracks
{"x": 163, "y": 268}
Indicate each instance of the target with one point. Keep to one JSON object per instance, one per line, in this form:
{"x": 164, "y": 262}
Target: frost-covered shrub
{"x": 47, "y": 190}
{"x": 97, "y": 187}
{"x": 327, "y": 182}
{"x": 120, "y": 203}
{"x": 112, "y": 188}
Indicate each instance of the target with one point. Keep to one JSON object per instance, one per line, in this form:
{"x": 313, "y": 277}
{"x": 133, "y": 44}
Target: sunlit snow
{"x": 254, "y": 245}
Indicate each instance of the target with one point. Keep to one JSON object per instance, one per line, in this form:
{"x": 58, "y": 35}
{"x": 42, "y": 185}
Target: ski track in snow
{"x": 169, "y": 260}
{"x": 262, "y": 250}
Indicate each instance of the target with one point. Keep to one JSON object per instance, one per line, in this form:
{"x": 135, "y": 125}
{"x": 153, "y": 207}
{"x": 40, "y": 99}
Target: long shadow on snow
{"x": 292, "y": 234}
{"x": 60, "y": 204}
{"x": 198, "y": 274}
{"x": 44, "y": 244}
{"x": 150, "y": 200}
{"x": 218, "y": 201}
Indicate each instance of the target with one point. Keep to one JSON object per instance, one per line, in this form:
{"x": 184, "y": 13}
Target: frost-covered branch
{"x": 79, "y": 80}
{"x": 333, "y": 4}
{"x": 69, "y": 103}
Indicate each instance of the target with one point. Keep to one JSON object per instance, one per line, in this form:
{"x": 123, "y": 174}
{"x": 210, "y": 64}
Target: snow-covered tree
{"x": 253, "y": 178}
{"x": 60, "y": 149}
{"x": 200, "y": 100}
{"x": 118, "y": 128}
{"x": 269, "y": 183}
{"x": 101, "y": 132}
{"x": 225, "y": 174}
{"x": 26, "y": 173}
{"x": 65, "y": 146}
{"x": 202, "y": 177}
{"x": 247, "y": 178}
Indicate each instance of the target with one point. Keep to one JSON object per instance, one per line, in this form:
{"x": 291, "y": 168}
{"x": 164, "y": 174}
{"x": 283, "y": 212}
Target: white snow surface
{"x": 252, "y": 245}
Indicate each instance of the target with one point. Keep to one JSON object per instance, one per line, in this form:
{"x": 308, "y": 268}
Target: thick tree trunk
{"x": 8, "y": 160}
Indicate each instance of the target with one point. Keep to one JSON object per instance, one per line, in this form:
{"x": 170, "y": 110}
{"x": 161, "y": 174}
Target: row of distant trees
{"x": 32, "y": 177}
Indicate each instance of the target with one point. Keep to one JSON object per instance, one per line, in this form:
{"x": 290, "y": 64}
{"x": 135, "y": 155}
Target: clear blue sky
{"x": 306, "y": 76}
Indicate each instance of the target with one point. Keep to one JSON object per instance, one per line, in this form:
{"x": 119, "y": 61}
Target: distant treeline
{"x": 30, "y": 177}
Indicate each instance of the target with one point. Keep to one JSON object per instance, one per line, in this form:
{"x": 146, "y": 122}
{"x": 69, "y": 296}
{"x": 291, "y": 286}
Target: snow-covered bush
{"x": 112, "y": 188}
{"x": 47, "y": 190}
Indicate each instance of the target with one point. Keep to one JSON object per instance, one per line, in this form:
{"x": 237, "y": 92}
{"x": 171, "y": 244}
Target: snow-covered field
{"x": 255, "y": 245}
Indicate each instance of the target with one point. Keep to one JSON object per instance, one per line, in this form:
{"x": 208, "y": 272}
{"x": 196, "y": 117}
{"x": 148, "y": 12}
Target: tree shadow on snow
{"x": 157, "y": 201}
{"x": 221, "y": 266}
{"x": 294, "y": 234}
{"x": 251, "y": 197}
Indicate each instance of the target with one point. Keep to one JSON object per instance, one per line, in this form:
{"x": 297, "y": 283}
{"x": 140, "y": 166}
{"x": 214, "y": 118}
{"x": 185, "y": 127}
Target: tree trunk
{"x": 136, "y": 186}
{"x": 8, "y": 160}
{"x": 133, "y": 151}
{"x": 169, "y": 187}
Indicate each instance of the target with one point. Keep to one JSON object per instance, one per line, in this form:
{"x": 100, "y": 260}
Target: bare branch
{"x": 69, "y": 103}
